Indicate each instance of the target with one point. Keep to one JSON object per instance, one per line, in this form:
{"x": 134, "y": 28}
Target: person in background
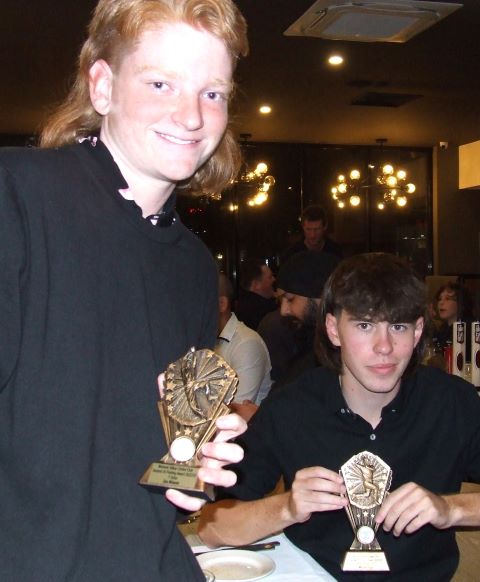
{"x": 257, "y": 293}
{"x": 300, "y": 284}
{"x": 370, "y": 395}
{"x": 314, "y": 226}
{"x": 101, "y": 287}
{"x": 243, "y": 349}
{"x": 453, "y": 303}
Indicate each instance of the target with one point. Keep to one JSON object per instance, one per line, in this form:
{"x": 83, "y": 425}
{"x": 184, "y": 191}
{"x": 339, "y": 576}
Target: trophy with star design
{"x": 367, "y": 480}
{"x": 197, "y": 390}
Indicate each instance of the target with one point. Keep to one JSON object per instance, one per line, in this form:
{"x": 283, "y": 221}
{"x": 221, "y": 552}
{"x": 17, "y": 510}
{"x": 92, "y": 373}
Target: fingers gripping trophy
{"x": 367, "y": 480}
{"x": 197, "y": 390}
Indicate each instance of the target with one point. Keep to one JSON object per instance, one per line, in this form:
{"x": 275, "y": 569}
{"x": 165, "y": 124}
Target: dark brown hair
{"x": 376, "y": 287}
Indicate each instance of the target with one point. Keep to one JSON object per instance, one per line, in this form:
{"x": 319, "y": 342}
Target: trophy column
{"x": 367, "y": 479}
{"x": 198, "y": 389}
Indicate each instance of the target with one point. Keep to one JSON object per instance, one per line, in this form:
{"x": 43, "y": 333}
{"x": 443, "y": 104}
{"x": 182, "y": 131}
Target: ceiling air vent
{"x": 370, "y": 20}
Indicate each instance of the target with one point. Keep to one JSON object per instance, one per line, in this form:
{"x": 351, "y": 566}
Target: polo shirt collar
{"x": 229, "y": 330}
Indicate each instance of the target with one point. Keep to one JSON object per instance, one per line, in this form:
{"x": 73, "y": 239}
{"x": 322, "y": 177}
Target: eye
{"x": 364, "y": 325}
{"x": 399, "y": 327}
{"x": 213, "y": 95}
{"x": 159, "y": 85}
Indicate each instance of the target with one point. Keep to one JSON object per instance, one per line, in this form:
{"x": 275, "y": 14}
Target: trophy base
{"x": 182, "y": 477}
{"x": 365, "y": 561}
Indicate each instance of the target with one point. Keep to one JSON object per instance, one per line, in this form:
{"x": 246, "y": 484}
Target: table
{"x": 291, "y": 563}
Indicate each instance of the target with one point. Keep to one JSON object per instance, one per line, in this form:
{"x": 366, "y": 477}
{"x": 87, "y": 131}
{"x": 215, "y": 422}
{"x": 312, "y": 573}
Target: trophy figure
{"x": 197, "y": 390}
{"x": 367, "y": 479}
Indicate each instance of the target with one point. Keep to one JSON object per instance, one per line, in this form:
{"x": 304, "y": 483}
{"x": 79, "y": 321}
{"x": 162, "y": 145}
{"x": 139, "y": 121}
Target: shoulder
{"x": 31, "y": 170}
{"x": 17, "y": 158}
{"x": 445, "y": 389}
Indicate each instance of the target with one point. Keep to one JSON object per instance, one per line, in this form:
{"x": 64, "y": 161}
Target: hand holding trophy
{"x": 367, "y": 480}
{"x": 198, "y": 389}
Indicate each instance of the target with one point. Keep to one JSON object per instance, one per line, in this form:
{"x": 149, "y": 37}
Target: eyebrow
{"x": 173, "y": 74}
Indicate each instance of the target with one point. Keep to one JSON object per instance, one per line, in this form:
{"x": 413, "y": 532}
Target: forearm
{"x": 231, "y": 522}
{"x": 464, "y": 509}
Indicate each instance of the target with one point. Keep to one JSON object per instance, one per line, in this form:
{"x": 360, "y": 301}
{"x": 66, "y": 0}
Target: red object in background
{"x": 448, "y": 357}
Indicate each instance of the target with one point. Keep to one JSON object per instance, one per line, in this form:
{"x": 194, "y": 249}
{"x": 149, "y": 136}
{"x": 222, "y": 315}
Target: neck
{"x": 315, "y": 246}
{"x": 148, "y": 192}
{"x": 223, "y": 320}
{"x": 367, "y": 404}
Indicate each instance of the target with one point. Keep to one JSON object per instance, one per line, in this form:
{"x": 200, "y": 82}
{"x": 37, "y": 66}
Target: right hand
{"x": 315, "y": 489}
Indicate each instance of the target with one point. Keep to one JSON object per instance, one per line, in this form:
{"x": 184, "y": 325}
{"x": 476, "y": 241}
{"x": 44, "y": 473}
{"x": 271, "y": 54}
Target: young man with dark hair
{"x": 371, "y": 395}
{"x": 314, "y": 225}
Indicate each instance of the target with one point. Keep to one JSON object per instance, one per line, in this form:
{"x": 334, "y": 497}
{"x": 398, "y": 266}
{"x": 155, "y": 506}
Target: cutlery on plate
{"x": 250, "y": 547}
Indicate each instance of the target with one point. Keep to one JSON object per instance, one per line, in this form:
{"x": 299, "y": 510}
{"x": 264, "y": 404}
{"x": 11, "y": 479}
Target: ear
{"x": 419, "y": 325}
{"x": 100, "y": 80}
{"x": 222, "y": 304}
{"x": 331, "y": 326}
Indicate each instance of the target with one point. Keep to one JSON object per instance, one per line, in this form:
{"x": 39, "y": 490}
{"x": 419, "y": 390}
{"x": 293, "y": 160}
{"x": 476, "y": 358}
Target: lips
{"x": 382, "y": 369}
{"x": 177, "y": 140}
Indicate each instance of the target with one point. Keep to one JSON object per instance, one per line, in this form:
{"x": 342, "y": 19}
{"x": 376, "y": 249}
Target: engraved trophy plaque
{"x": 367, "y": 479}
{"x": 197, "y": 390}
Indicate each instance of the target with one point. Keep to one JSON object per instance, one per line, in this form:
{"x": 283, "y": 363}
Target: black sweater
{"x": 95, "y": 302}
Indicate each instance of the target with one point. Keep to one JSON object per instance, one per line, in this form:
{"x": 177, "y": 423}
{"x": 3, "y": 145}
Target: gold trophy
{"x": 367, "y": 479}
{"x": 197, "y": 390}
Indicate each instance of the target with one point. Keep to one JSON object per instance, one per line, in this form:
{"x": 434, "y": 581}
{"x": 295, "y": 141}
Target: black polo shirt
{"x": 429, "y": 434}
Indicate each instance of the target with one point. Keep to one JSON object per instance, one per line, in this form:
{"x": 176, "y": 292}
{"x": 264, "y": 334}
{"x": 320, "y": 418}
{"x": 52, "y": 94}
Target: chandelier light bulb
{"x": 381, "y": 206}
{"x": 354, "y": 200}
{"x": 261, "y": 168}
{"x": 334, "y": 190}
{"x": 401, "y": 174}
{"x": 411, "y": 188}
{"x": 341, "y": 178}
{"x": 391, "y": 181}
{"x": 341, "y": 204}
{"x": 387, "y": 169}
{"x": 401, "y": 201}
{"x": 342, "y": 188}
{"x": 355, "y": 175}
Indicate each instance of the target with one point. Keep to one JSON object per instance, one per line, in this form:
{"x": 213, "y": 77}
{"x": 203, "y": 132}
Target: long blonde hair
{"x": 113, "y": 30}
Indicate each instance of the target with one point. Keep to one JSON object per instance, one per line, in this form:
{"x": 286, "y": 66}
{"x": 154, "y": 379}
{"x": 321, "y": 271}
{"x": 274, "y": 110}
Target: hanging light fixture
{"x": 390, "y": 185}
{"x": 261, "y": 183}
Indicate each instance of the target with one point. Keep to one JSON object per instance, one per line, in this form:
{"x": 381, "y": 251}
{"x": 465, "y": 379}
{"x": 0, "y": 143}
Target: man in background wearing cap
{"x": 300, "y": 284}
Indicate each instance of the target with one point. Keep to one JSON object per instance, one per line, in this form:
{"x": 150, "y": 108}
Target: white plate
{"x": 236, "y": 565}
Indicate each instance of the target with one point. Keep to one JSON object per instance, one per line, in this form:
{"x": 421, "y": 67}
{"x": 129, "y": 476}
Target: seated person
{"x": 453, "y": 303}
{"x": 371, "y": 395}
{"x": 257, "y": 294}
{"x": 243, "y": 349}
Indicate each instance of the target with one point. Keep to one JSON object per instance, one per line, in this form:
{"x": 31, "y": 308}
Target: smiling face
{"x": 165, "y": 107}
{"x": 374, "y": 354}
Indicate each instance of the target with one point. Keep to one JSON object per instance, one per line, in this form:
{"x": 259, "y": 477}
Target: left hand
{"x": 214, "y": 456}
{"x": 410, "y": 507}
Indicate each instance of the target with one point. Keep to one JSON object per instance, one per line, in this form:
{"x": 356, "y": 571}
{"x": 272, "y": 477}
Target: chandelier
{"x": 390, "y": 186}
{"x": 257, "y": 183}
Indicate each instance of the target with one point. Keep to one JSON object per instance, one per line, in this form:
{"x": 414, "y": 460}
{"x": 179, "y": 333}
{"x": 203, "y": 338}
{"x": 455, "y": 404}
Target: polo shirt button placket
{"x": 373, "y": 436}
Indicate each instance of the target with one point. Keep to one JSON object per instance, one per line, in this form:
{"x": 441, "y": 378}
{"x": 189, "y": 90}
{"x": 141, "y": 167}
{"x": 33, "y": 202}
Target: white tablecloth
{"x": 291, "y": 563}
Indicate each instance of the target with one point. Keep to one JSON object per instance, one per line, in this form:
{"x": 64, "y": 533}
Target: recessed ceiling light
{"x": 265, "y": 109}
{"x": 335, "y": 60}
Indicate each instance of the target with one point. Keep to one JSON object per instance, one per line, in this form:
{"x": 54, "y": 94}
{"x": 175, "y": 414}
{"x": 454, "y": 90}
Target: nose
{"x": 188, "y": 112}
{"x": 284, "y": 309}
{"x": 383, "y": 342}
